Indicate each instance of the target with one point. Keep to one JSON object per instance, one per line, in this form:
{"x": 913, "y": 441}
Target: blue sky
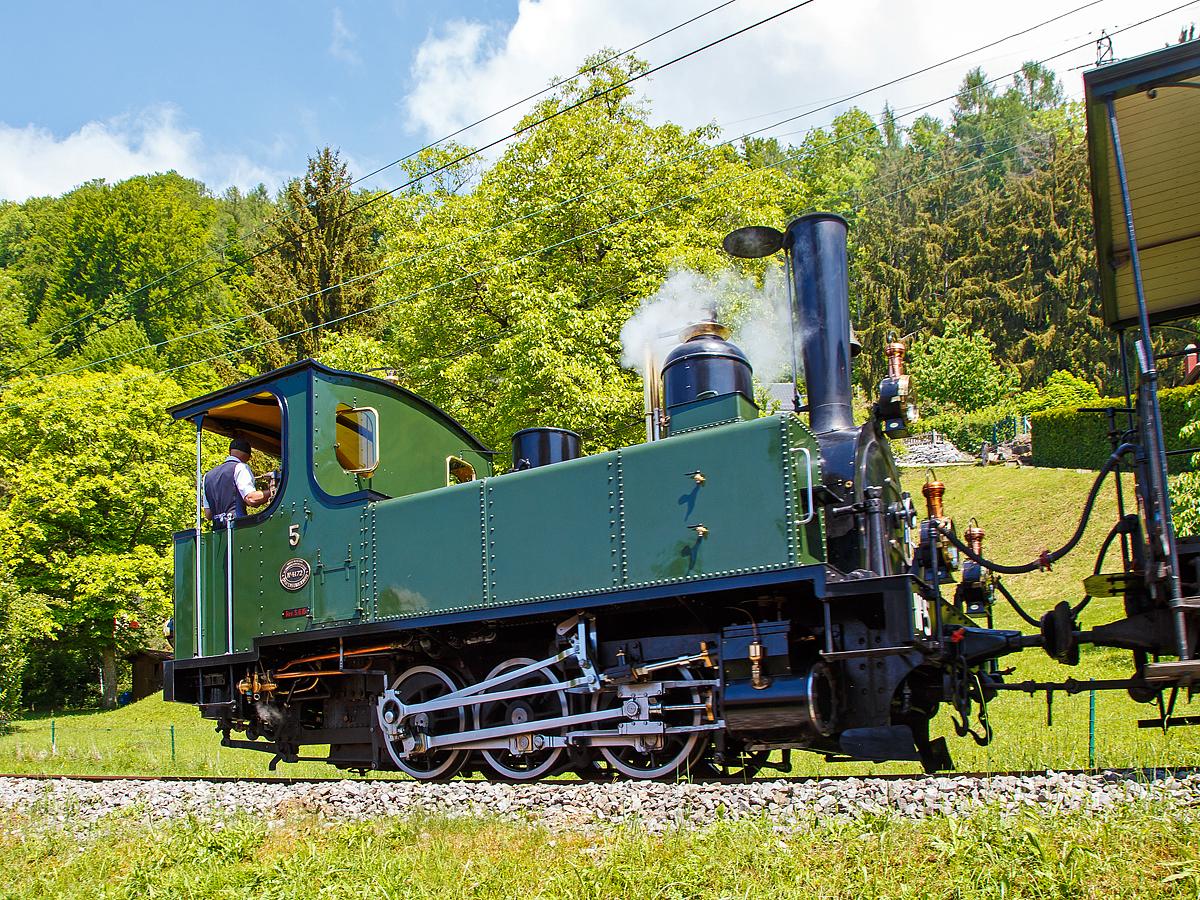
{"x": 242, "y": 93}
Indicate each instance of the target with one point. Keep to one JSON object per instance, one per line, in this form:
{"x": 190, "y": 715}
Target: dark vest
{"x": 220, "y": 489}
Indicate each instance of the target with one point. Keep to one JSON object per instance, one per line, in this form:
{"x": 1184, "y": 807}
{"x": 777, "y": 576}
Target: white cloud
{"x": 33, "y": 162}
{"x": 467, "y": 70}
{"x": 342, "y": 38}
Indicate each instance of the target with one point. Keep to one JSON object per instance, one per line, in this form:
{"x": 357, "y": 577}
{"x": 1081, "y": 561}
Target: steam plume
{"x": 758, "y": 317}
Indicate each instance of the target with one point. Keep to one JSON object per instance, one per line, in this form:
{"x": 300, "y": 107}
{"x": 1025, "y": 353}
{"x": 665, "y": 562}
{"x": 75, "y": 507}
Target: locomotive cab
{"x": 334, "y": 442}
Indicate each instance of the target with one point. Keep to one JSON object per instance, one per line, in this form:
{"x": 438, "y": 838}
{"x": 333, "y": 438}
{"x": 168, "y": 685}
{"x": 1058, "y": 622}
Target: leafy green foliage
{"x": 355, "y": 352}
{"x": 958, "y": 369}
{"x": 987, "y": 223}
{"x": 96, "y": 479}
{"x": 508, "y": 298}
{"x": 1185, "y": 489}
{"x": 322, "y": 251}
{"x": 1062, "y": 389}
{"x": 1068, "y": 439}
{"x": 125, "y": 274}
{"x": 25, "y": 621}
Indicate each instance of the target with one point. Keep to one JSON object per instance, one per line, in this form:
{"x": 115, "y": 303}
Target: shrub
{"x": 1068, "y": 439}
{"x": 958, "y": 369}
{"x": 1061, "y": 390}
{"x": 1185, "y": 490}
{"x": 965, "y": 430}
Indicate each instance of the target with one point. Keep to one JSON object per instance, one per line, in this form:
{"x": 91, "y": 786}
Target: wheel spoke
{"x": 421, "y": 684}
{"x": 527, "y": 761}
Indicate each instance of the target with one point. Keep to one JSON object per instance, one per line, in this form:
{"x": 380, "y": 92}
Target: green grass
{"x": 1138, "y": 852}
{"x": 1023, "y": 511}
{"x": 135, "y": 740}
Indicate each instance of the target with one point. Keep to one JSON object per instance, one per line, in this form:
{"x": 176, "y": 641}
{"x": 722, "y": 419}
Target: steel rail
{"x": 1143, "y": 774}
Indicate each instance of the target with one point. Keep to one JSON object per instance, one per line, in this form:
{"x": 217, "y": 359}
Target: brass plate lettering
{"x": 295, "y": 574}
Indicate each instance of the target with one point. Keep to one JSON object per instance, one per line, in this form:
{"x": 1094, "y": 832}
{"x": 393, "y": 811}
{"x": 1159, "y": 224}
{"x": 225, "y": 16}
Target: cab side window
{"x": 458, "y": 471}
{"x": 357, "y": 439}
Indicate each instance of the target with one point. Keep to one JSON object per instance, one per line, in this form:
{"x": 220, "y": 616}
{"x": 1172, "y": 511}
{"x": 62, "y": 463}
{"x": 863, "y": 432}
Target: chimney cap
{"x": 753, "y": 241}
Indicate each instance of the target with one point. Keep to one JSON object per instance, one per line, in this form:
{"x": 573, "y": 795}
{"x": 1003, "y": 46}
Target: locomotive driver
{"x": 229, "y": 487}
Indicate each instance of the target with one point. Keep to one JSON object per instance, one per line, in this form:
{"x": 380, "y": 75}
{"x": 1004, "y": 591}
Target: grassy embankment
{"x": 1023, "y": 511}
{"x": 1142, "y": 853}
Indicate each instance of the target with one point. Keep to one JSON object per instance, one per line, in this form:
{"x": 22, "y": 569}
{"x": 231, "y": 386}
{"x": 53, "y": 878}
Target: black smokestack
{"x": 821, "y": 275}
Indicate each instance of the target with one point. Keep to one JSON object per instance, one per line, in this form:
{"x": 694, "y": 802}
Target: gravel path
{"x": 656, "y": 807}
{"x": 942, "y": 453}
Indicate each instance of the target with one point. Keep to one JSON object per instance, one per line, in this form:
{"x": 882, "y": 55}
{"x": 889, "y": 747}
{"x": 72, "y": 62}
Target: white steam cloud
{"x": 759, "y": 318}
{"x": 269, "y": 715}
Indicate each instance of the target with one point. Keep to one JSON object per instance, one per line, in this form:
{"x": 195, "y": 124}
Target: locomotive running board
{"x": 1169, "y": 722}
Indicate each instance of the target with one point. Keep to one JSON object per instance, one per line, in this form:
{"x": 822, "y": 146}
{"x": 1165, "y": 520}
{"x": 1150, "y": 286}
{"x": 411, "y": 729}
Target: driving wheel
{"x": 527, "y": 756}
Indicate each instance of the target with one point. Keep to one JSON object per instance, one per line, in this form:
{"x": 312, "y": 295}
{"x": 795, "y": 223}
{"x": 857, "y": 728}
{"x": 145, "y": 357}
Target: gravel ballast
{"x": 587, "y": 805}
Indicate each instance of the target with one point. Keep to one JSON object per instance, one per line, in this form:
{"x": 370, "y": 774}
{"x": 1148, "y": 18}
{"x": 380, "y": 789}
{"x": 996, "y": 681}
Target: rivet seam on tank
{"x": 597, "y": 591}
{"x": 703, "y": 427}
{"x": 621, "y": 515}
{"x": 483, "y": 524}
{"x": 787, "y": 472}
{"x": 491, "y": 549}
{"x": 547, "y": 597}
{"x": 613, "y": 536}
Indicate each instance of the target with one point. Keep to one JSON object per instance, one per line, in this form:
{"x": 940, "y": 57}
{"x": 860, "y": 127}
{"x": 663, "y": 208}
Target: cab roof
{"x": 255, "y": 418}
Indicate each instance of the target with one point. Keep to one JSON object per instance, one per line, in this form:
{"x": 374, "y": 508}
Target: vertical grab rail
{"x": 199, "y": 502}
{"x": 812, "y": 508}
{"x": 229, "y": 584}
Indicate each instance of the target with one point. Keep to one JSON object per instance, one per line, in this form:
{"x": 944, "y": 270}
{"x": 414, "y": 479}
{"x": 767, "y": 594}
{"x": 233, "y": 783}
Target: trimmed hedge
{"x": 1068, "y": 439}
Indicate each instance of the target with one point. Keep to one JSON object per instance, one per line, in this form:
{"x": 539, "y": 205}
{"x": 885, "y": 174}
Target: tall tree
{"x": 987, "y": 224}
{"x": 95, "y": 479}
{"x": 132, "y": 256}
{"x": 317, "y": 272}
{"x": 509, "y": 293}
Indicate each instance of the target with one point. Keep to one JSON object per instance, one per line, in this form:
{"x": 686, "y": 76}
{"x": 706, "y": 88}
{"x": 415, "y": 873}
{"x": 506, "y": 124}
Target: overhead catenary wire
{"x": 445, "y": 166}
{"x": 227, "y": 323}
{"x": 846, "y": 99}
{"x": 449, "y": 283}
{"x": 543, "y": 249}
{"x": 567, "y": 80}
{"x": 553, "y": 86}
{"x": 258, "y": 313}
{"x": 504, "y": 332}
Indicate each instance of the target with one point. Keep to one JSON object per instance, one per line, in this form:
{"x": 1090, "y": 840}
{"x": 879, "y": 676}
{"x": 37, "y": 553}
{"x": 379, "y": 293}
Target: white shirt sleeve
{"x": 244, "y": 479}
{"x": 203, "y": 497}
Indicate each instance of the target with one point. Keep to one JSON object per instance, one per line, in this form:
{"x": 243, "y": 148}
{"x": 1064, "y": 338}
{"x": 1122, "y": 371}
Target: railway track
{"x": 77, "y": 803}
{"x": 1144, "y": 774}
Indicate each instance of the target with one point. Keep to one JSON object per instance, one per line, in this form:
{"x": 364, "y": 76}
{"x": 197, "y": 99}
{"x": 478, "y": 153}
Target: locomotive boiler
{"x": 736, "y": 585}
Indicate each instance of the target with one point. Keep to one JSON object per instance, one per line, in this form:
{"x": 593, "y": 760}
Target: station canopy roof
{"x": 1156, "y": 98}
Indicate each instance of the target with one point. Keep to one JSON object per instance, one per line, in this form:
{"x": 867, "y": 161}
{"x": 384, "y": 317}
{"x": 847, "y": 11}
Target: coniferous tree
{"x": 318, "y": 272}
